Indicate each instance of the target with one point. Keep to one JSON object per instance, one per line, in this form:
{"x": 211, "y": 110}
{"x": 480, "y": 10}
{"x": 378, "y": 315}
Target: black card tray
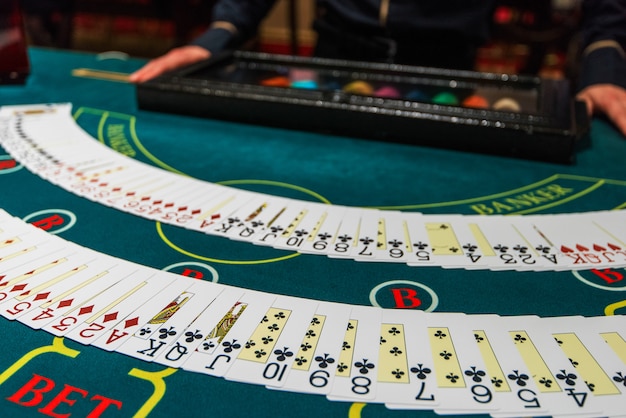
{"x": 510, "y": 115}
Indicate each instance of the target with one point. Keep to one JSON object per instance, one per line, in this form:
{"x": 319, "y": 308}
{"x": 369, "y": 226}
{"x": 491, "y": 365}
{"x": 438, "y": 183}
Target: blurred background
{"x": 529, "y": 36}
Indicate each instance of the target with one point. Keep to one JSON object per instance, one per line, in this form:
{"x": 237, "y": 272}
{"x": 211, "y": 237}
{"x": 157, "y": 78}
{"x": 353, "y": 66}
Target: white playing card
{"x": 405, "y": 374}
{"x": 162, "y": 329}
{"x": 324, "y": 231}
{"x": 143, "y": 313}
{"x": 313, "y": 369}
{"x": 269, "y": 352}
{"x": 195, "y": 338}
{"x": 225, "y": 341}
{"x": 356, "y": 373}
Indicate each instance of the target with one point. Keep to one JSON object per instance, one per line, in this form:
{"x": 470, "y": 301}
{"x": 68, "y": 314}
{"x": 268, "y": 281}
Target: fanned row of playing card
{"x": 46, "y": 139}
{"x": 448, "y": 362}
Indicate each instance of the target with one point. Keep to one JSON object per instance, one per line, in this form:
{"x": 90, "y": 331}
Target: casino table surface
{"x": 303, "y": 165}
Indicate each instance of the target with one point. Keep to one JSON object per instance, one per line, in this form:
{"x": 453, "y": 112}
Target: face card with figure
{"x": 552, "y": 370}
{"x": 405, "y": 369}
{"x": 196, "y": 336}
{"x": 220, "y": 348}
{"x": 355, "y": 376}
{"x": 75, "y": 291}
{"x": 596, "y": 363}
{"x": 217, "y": 219}
{"x": 270, "y": 351}
{"x": 144, "y": 311}
{"x": 260, "y": 217}
{"x": 155, "y": 336}
{"x": 235, "y": 221}
{"x": 583, "y": 244}
{"x": 463, "y": 383}
{"x": 324, "y": 232}
{"x": 313, "y": 369}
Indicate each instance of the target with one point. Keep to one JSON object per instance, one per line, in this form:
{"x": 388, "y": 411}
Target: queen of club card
{"x": 155, "y": 336}
{"x": 200, "y": 333}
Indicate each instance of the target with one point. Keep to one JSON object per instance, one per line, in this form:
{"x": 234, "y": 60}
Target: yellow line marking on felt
{"x": 217, "y": 260}
{"x": 355, "y": 410}
{"x": 610, "y": 309}
{"x": 57, "y": 346}
{"x": 598, "y": 182}
{"x": 157, "y": 380}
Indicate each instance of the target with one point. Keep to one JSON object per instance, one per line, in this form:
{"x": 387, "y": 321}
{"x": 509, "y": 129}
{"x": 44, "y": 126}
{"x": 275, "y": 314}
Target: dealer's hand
{"x": 606, "y": 99}
{"x": 176, "y": 58}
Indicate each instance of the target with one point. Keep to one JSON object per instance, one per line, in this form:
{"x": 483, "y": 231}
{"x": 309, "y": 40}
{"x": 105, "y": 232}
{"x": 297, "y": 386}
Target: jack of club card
{"x": 221, "y": 346}
{"x": 269, "y": 352}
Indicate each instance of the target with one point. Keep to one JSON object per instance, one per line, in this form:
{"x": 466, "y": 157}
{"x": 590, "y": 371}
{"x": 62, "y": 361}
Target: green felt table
{"x": 307, "y": 166}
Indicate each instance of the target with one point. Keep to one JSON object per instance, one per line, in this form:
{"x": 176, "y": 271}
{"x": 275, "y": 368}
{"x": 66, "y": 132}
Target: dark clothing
{"x": 439, "y": 33}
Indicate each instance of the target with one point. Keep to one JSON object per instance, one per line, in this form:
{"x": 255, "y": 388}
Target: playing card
{"x": 313, "y": 369}
{"x": 196, "y": 338}
{"x": 406, "y": 378}
{"x": 223, "y": 343}
{"x": 356, "y": 373}
{"x": 135, "y": 321}
{"x": 269, "y": 352}
{"x": 155, "y": 336}
{"x": 324, "y": 231}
